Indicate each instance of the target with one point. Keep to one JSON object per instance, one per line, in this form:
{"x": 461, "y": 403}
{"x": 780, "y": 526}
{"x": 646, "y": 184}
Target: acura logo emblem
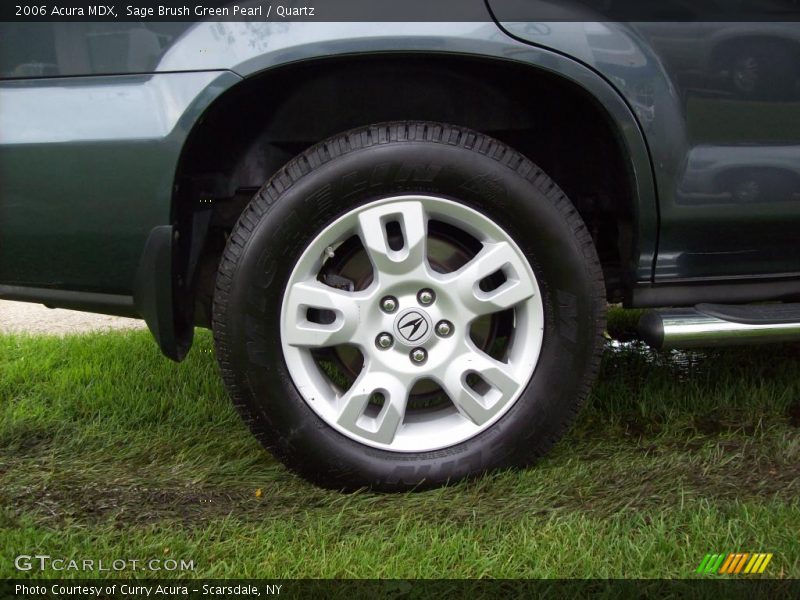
{"x": 413, "y": 326}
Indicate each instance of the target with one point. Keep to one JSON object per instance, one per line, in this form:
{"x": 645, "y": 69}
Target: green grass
{"x": 108, "y": 450}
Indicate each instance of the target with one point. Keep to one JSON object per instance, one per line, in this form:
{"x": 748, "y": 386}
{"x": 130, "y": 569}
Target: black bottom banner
{"x": 353, "y": 589}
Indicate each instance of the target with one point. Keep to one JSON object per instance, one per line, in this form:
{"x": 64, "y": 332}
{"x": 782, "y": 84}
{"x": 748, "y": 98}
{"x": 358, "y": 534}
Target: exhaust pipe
{"x": 709, "y": 325}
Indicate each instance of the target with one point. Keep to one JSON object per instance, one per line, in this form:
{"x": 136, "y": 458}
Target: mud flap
{"x": 155, "y": 294}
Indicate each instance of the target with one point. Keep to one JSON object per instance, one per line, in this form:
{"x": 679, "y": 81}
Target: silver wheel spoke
{"x": 493, "y": 257}
{"x": 393, "y": 324}
{"x": 299, "y": 331}
{"x": 410, "y": 216}
{"x": 383, "y": 427}
{"x": 498, "y": 386}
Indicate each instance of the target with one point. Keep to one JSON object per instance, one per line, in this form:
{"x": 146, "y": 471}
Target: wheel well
{"x": 249, "y": 133}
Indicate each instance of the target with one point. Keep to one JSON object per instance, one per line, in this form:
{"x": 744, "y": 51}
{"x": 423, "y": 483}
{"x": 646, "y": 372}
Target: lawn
{"x": 108, "y": 450}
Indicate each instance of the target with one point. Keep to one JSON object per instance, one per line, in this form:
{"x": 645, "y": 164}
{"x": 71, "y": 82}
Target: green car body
{"x": 126, "y": 148}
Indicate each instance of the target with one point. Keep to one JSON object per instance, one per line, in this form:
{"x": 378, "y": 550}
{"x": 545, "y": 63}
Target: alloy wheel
{"x": 410, "y": 319}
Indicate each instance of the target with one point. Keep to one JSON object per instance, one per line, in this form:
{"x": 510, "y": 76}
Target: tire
{"x": 552, "y": 337}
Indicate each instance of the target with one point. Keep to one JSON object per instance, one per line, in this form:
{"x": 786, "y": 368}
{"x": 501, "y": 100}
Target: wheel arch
{"x": 260, "y": 123}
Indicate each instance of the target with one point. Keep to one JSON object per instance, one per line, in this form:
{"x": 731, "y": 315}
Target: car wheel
{"x": 406, "y": 305}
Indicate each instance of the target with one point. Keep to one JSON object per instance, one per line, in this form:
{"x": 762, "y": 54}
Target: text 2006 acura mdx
{"x": 404, "y": 235}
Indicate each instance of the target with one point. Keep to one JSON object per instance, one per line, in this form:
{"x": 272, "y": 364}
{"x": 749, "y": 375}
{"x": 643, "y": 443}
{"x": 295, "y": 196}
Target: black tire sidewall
{"x": 535, "y": 216}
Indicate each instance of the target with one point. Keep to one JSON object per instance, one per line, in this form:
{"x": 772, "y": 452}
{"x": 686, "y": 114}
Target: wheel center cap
{"x": 413, "y": 327}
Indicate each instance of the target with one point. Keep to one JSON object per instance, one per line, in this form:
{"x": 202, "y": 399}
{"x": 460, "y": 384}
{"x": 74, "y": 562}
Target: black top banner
{"x": 399, "y": 10}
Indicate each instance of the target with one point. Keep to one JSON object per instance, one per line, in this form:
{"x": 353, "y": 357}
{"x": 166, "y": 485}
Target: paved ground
{"x": 34, "y": 318}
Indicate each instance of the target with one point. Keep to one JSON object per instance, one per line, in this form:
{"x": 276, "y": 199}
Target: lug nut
{"x": 444, "y": 328}
{"x": 389, "y": 304}
{"x": 418, "y": 355}
{"x": 426, "y": 297}
{"x": 384, "y": 340}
